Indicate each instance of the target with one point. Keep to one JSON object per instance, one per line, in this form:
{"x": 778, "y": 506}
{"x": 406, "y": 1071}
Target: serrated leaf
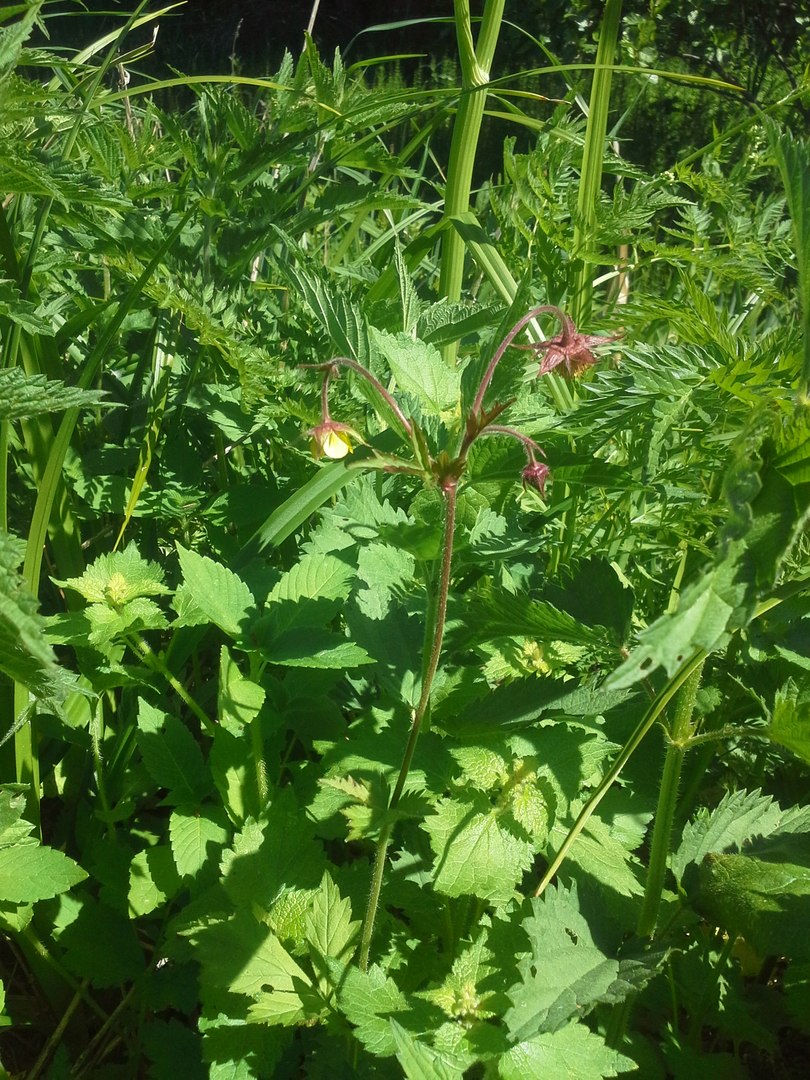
{"x": 566, "y": 973}
{"x": 153, "y": 879}
{"x": 218, "y": 592}
{"x": 421, "y": 1062}
{"x": 790, "y": 720}
{"x": 571, "y": 1053}
{"x": 367, "y": 999}
{"x": 738, "y": 817}
{"x": 764, "y": 895}
{"x": 197, "y": 838}
{"x": 247, "y": 958}
{"x": 23, "y": 396}
{"x": 601, "y": 855}
{"x": 171, "y": 755}
{"x": 116, "y": 579}
{"x": 330, "y": 930}
{"x": 29, "y": 872}
{"x": 420, "y": 371}
{"x": 478, "y": 851}
{"x": 14, "y": 829}
{"x": 318, "y": 649}
{"x": 102, "y": 946}
{"x": 272, "y": 856}
{"x": 315, "y": 576}
{"x": 239, "y": 699}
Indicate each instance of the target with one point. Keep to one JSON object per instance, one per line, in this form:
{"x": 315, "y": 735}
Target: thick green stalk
{"x": 476, "y": 62}
{"x": 590, "y": 180}
{"x": 679, "y": 736}
{"x": 435, "y": 635}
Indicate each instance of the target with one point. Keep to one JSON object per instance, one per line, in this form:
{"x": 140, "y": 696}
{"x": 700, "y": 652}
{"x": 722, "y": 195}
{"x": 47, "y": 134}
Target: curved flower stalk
{"x": 569, "y": 350}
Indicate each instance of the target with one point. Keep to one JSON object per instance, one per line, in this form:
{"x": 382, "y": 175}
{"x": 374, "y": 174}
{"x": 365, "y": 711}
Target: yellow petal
{"x": 336, "y": 445}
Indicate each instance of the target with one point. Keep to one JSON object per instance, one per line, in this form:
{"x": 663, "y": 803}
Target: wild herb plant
{"x": 354, "y": 768}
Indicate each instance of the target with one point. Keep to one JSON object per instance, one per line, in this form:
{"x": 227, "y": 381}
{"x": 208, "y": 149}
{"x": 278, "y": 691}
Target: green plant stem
{"x": 590, "y": 180}
{"x": 679, "y": 734}
{"x": 435, "y": 634}
{"x": 57, "y": 1033}
{"x": 475, "y": 67}
{"x": 653, "y": 712}
{"x": 144, "y": 650}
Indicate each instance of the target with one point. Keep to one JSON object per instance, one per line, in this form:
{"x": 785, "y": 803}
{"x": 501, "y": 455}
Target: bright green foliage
{"x": 28, "y": 871}
{"x": 356, "y": 768}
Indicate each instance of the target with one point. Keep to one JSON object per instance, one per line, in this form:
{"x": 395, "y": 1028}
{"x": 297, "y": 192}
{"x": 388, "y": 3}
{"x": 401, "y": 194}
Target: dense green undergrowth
{"x": 476, "y": 742}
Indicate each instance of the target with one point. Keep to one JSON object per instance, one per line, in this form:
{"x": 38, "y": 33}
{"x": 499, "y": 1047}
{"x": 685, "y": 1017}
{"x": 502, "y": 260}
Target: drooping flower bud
{"x": 535, "y": 476}
{"x": 332, "y": 440}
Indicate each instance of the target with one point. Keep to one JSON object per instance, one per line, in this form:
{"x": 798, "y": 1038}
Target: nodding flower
{"x": 332, "y": 440}
{"x": 535, "y": 475}
{"x": 569, "y": 350}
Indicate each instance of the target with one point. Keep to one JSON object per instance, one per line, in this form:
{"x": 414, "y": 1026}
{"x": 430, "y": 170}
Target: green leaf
{"x": 420, "y": 371}
{"x": 317, "y": 649}
{"x": 601, "y": 855}
{"x": 565, "y": 975}
{"x": 738, "y": 817}
{"x": 25, "y": 655}
{"x": 367, "y": 999}
{"x": 171, "y": 756}
{"x": 29, "y": 872}
{"x": 574, "y": 1052}
{"x": 153, "y": 879}
{"x": 270, "y": 857}
{"x": 479, "y": 849}
{"x": 245, "y": 957}
{"x": 300, "y": 506}
{"x": 764, "y": 895}
{"x": 238, "y": 699}
{"x": 330, "y": 931}
{"x": 518, "y": 616}
{"x": 218, "y": 592}
{"x": 421, "y": 1062}
{"x": 102, "y": 945}
{"x": 197, "y": 838}
{"x": 23, "y": 396}
{"x": 790, "y": 720}
{"x": 793, "y": 158}
{"x": 116, "y": 579}
{"x": 315, "y": 576}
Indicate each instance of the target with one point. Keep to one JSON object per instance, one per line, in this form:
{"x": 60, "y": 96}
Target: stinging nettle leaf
{"x": 420, "y": 371}
{"x": 217, "y": 591}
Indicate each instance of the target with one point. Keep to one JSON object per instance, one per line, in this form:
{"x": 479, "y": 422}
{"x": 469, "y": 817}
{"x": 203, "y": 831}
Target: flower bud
{"x": 535, "y": 475}
{"x": 332, "y": 440}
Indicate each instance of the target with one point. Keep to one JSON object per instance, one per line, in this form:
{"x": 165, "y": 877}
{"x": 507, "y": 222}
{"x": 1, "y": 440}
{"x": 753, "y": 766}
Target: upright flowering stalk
{"x": 569, "y": 350}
